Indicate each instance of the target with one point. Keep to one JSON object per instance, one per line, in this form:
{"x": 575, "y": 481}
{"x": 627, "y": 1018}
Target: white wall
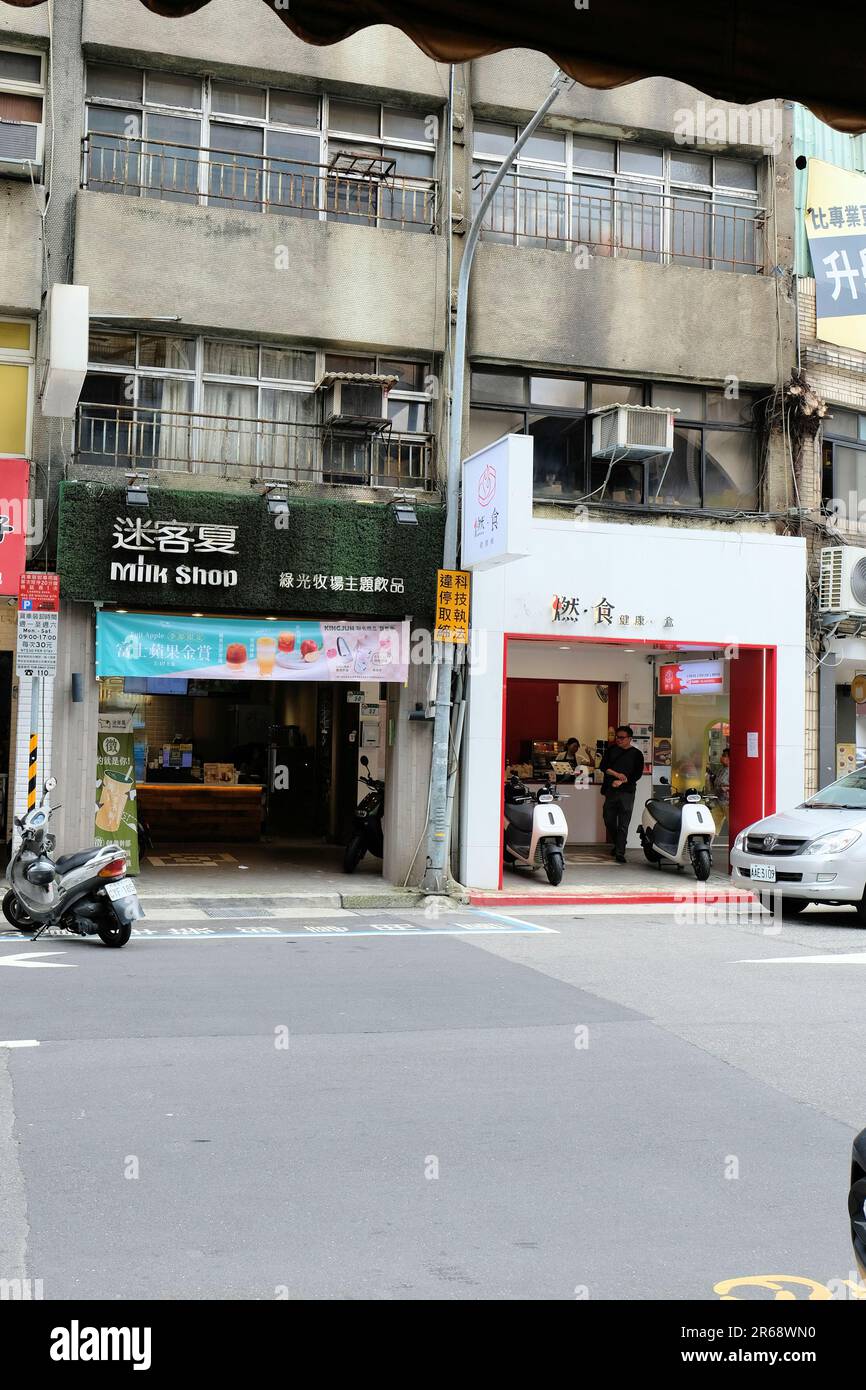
{"x": 717, "y": 589}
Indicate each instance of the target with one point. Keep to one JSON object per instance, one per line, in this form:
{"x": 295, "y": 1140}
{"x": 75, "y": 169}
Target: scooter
{"x": 536, "y": 828}
{"x": 87, "y": 894}
{"x": 679, "y": 829}
{"x": 367, "y": 833}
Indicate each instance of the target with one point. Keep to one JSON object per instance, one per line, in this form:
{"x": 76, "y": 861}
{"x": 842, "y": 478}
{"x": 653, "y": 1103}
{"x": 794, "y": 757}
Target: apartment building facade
{"x": 270, "y": 233}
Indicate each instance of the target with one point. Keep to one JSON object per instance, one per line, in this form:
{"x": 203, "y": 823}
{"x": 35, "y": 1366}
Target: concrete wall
{"x": 25, "y": 25}
{"x": 407, "y": 778}
{"x": 534, "y": 306}
{"x": 229, "y": 36}
{"x": 75, "y": 726}
{"x": 218, "y": 269}
{"x": 20, "y": 246}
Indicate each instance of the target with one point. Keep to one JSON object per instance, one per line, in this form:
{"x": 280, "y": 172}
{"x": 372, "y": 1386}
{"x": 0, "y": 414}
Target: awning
{"x": 734, "y": 50}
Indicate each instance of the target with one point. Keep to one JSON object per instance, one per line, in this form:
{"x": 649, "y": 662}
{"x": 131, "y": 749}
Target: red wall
{"x": 531, "y": 712}
{"x": 753, "y": 709}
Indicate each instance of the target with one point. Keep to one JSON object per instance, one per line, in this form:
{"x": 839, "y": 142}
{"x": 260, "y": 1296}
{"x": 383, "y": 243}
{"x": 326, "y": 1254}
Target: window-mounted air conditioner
{"x": 842, "y": 583}
{"x": 358, "y": 399}
{"x": 20, "y": 148}
{"x": 629, "y": 433}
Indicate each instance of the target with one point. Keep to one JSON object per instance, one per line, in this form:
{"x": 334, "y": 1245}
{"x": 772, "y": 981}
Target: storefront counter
{"x": 582, "y": 805}
{"x": 195, "y": 811}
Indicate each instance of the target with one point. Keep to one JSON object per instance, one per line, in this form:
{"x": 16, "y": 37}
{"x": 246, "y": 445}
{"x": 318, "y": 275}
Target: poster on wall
{"x": 692, "y": 678}
{"x": 643, "y": 739}
{"x": 116, "y": 814}
{"x": 836, "y": 231}
{"x": 250, "y": 649}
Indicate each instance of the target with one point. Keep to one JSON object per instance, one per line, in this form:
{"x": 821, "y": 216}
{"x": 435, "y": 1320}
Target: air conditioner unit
{"x": 358, "y": 399}
{"x": 629, "y": 433}
{"x": 20, "y": 148}
{"x": 842, "y": 583}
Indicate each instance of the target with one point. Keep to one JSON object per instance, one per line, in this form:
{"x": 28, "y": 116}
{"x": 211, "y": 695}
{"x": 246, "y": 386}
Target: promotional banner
{"x": 116, "y": 814}
{"x": 250, "y": 649}
{"x": 836, "y": 229}
{"x": 692, "y": 678}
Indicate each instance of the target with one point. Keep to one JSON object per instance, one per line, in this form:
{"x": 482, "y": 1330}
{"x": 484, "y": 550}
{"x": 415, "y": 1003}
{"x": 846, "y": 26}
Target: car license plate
{"x": 766, "y": 873}
{"x": 124, "y": 889}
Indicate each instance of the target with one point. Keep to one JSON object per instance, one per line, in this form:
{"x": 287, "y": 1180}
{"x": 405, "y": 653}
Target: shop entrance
{"x": 703, "y": 716}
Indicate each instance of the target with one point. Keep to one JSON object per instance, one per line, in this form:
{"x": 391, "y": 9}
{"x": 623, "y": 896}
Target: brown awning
{"x": 735, "y": 50}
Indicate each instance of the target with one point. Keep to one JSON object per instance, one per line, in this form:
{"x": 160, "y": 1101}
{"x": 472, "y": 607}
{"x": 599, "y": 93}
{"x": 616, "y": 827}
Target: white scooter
{"x": 679, "y": 829}
{"x": 535, "y": 828}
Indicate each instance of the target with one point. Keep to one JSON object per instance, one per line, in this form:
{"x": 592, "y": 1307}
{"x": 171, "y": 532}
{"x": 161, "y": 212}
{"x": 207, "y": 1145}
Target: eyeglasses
{"x": 620, "y": 735}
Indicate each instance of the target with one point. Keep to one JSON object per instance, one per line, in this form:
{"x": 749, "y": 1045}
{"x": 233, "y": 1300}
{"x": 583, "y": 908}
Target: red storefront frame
{"x": 752, "y": 692}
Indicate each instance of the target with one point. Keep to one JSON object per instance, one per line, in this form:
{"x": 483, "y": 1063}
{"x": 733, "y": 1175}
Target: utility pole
{"x": 437, "y": 877}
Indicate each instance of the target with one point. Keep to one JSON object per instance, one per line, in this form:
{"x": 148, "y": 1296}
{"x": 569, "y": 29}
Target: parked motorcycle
{"x": 367, "y": 832}
{"x": 536, "y": 828}
{"x": 679, "y": 830}
{"x": 88, "y": 893}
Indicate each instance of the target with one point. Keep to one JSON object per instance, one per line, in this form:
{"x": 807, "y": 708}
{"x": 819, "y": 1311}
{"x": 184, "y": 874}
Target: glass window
{"x": 849, "y": 475}
{"x": 236, "y": 99}
{"x": 676, "y": 481}
{"x": 231, "y": 359}
{"x": 842, "y": 422}
{"x": 543, "y": 211}
{"x": 616, "y": 482}
{"x": 171, "y": 161}
{"x": 158, "y": 350}
{"x": 861, "y": 426}
{"x": 565, "y": 392}
{"x": 14, "y": 396}
{"x": 735, "y": 236}
{"x": 589, "y": 153}
{"x": 288, "y": 364}
{"x": 406, "y": 125}
{"x": 409, "y": 203}
{"x": 407, "y": 417}
{"x": 236, "y": 164}
{"x": 20, "y": 67}
{"x": 592, "y": 215}
{"x": 117, "y": 348}
{"x": 691, "y": 227}
{"x": 342, "y": 362}
{"x": 688, "y": 400}
{"x": 493, "y": 139}
{"x": 500, "y": 388}
{"x": 641, "y": 159}
{"x": 639, "y": 222}
{"x": 616, "y": 393}
{"x": 687, "y": 167}
{"x": 294, "y": 108}
{"x": 410, "y": 374}
{"x": 558, "y": 454}
{"x": 486, "y": 426}
{"x": 548, "y": 145}
{"x": 736, "y": 173}
{"x": 730, "y": 475}
{"x": 737, "y": 410}
{"x": 358, "y": 118}
{"x": 171, "y": 89}
{"x": 114, "y": 83}
{"x": 20, "y": 106}
{"x": 14, "y": 336}
{"x": 294, "y": 173}
{"x": 111, "y": 120}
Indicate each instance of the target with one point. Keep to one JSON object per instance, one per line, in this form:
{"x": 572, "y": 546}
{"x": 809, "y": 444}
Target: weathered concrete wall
{"x": 27, "y": 25}
{"x": 229, "y": 36}
{"x": 20, "y": 246}
{"x": 534, "y": 306}
{"x": 219, "y": 269}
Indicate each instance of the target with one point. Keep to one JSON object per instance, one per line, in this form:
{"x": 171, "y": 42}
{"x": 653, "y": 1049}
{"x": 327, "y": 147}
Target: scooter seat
{"x": 67, "y": 862}
{"x": 667, "y": 816}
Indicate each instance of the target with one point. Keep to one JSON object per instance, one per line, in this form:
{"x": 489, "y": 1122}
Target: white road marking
{"x": 20, "y": 1042}
{"x": 855, "y": 958}
{"x": 30, "y": 961}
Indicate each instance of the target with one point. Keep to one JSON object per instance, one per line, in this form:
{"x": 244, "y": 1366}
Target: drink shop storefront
{"x": 245, "y": 660}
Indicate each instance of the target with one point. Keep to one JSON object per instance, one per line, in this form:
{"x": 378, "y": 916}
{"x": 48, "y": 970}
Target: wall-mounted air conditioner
{"x": 21, "y": 148}
{"x": 358, "y": 399}
{"x": 629, "y": 433}
{"x": 842, "y": 583}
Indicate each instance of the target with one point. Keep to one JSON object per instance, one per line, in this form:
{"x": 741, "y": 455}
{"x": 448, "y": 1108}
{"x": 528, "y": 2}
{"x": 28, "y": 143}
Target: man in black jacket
{"x": 622, "y": 766}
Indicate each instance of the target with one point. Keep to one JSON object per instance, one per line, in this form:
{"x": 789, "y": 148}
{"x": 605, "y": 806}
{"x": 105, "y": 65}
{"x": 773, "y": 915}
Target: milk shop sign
{"x": 169, "y": 552}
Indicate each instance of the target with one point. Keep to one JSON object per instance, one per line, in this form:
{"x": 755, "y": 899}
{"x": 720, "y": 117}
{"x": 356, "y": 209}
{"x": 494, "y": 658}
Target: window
{"x": 268, "y": 149}
{"x": 713, "y": 466}
{"x": 16, "y": 368}
{"x": 843, "y": 472}
{"x": 21, "y": 98}
{"x": 621, "y": 198}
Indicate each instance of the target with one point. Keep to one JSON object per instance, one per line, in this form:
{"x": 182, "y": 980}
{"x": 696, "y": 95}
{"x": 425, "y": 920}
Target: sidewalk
{"x": 593, "y": 877}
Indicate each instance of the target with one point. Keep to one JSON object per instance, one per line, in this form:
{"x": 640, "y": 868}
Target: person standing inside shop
{"x": 622, "y": 765}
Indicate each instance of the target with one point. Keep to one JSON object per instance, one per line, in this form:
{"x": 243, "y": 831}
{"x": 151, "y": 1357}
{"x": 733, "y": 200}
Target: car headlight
{"x": 834, "y": 842}
{"x": 740, "y": 840}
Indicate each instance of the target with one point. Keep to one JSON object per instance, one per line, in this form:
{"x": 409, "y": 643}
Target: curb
{"x": 723, "y": 895}
{"x": 384, "y": 898}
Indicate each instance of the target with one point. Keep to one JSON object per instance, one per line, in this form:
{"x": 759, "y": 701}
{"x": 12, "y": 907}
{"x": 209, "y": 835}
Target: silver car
{"x": 813, "y": 854}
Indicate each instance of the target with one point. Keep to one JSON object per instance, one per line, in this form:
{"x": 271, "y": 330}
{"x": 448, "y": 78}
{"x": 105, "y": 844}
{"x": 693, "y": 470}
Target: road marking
{"x": 516, "y": 922}
{"x": 30, "y": 961}
{"x": 312, "y": 933}
{"x": 855, "y": 958}
{"x": 20, "y": 1042}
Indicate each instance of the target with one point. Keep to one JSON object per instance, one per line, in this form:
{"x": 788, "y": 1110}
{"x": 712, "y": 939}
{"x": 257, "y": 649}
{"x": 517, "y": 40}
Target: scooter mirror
{"x": 50, "y": 784}
{"x": 365, "y": 761}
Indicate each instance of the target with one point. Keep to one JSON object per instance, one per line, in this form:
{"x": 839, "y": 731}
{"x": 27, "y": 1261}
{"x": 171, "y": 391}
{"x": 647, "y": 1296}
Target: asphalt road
{"x": 388, "y": 1106}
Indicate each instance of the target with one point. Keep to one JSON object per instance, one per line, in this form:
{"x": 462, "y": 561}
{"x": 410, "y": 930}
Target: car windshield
{"x": 849, "y": 793}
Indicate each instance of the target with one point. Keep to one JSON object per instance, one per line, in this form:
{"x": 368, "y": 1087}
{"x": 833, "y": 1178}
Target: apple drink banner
{"x": 250, "y": 649}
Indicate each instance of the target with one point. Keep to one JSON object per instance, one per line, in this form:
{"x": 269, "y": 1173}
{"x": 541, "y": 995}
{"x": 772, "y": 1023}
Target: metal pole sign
{"x": 36, "y": 652}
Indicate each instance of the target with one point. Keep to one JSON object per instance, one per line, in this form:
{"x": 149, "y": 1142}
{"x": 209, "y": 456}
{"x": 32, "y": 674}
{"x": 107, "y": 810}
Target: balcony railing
{"x": 225, "y": 446}
{"x": 366, "y": 191}
{"x": 636, "y": 223}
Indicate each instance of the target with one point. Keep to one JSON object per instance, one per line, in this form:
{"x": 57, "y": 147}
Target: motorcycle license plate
{"x": 124, "y": 889}
{"x": 766, "y": 873}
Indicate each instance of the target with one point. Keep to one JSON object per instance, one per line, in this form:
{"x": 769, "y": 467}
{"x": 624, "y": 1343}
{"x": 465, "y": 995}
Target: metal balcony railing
{"x": 224, "y": 446}
{"x": 635, "y": 222}
{"x": 366, "y": 190}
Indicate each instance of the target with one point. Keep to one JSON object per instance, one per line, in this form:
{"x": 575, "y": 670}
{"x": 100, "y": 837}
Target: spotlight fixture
{"x": 136, "y": 491}
{"x": 272, "y": 493}
{"x": 277, "y": 506}
{"x": 403, "y": 507}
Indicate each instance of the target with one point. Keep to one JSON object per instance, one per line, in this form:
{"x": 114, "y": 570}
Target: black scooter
{"x": 367, "y": 833}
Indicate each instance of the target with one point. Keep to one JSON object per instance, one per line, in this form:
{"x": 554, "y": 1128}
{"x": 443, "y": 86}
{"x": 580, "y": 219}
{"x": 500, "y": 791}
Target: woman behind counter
{"x": 577, "y": 756}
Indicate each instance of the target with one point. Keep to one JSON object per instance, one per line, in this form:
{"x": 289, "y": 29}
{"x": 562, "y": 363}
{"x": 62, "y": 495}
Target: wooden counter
{"x": 194, "y": 811}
